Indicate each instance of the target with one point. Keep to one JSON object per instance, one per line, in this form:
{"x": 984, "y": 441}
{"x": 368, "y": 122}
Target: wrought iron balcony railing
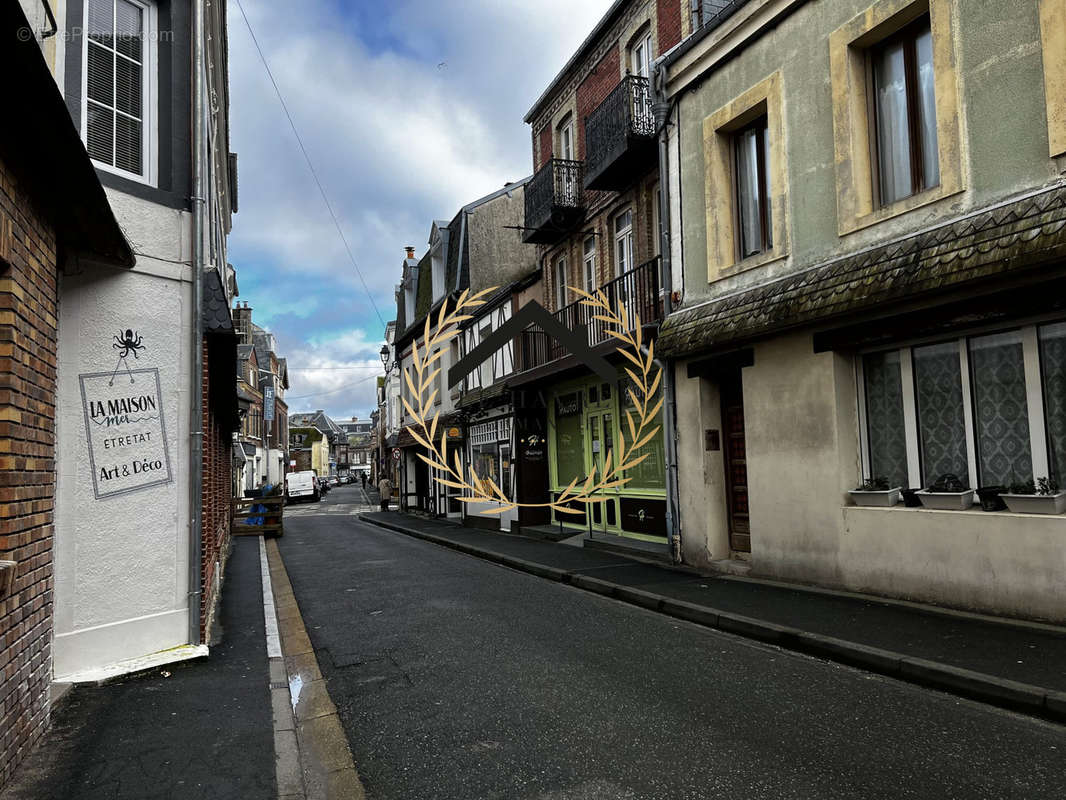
{"x": 555, "y": 201}
{"x": 640, "y": 290}
{"x": 620, "y": 136}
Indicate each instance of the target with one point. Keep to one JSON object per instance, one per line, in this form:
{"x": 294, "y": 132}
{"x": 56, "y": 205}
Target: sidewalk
{"x": 206, "y": 731}
{"x": 1017, "y": 665}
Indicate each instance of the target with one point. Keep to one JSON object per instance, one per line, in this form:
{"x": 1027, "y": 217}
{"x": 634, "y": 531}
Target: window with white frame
{"x": 117, "y": 72}
{"x": 560, "y": 282}
{"x": 988, "y": 408}
{"x": 590, "y": 263}
{"x": 490, "y": 450}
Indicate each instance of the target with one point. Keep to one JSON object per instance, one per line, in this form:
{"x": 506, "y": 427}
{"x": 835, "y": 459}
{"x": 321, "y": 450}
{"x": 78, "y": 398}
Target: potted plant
{"x": 875, "y": 492}
{"x": 947, "y": 493}
{"x": 1041, "y": 496}
{"x": 990, "y": 498}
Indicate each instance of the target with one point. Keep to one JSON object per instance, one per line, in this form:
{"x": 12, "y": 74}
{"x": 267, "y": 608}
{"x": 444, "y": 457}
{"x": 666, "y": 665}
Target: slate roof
{"x": 216, "y": 318}
{"x": 424, "y": 295}
{"x": 1007, "y": 240}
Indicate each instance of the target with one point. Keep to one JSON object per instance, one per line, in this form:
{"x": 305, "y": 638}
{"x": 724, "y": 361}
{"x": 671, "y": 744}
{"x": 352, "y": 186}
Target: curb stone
{"x": 1034, "y": 700}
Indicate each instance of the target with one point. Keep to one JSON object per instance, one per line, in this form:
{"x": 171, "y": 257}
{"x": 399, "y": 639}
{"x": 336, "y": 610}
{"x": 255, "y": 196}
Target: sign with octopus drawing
{"x": 124, "y": 424}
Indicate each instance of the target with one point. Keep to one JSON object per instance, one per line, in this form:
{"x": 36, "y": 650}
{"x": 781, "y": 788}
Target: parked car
{"x": 334, "y": 481}
{"x": 302, "y": 486}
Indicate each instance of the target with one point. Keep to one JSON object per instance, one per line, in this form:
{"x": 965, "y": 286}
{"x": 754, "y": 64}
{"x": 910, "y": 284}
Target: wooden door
{"x": 736, "y": 465}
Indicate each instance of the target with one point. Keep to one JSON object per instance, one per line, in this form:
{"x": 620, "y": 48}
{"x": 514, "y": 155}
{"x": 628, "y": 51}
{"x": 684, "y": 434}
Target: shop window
{"x": 569, "y": 439}
{"x": 989, "y": 409}
{"x": 650, "y": 473}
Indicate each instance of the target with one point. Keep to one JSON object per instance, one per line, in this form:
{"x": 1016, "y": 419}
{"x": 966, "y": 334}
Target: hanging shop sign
{"x": 268, "y": 403}
{"x": 125, "y": 431}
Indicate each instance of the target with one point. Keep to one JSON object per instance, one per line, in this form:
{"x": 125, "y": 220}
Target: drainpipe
{"x": 661, "y": 109}
{"x": 196, "y": 426}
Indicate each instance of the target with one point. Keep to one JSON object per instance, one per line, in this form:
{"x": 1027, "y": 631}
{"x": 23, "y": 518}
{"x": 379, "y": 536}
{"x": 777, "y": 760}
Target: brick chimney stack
{"x": 410, "y": 252}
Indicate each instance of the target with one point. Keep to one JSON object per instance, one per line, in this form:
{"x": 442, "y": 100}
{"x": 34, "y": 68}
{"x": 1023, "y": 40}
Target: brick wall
{"x": 669, "y": 15}
{"x": 216, "y": 491}
{"x": 28, "y": 320}
{"x": 593, "y": 90}
{"x": 546, "y": 146}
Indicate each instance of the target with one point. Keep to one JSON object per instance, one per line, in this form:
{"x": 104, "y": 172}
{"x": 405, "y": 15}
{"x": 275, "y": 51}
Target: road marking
{"x": 273, "y": 638}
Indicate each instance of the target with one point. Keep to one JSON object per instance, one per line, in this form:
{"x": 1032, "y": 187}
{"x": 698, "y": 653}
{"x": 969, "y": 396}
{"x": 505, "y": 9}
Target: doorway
{"x": 736, "y": 464}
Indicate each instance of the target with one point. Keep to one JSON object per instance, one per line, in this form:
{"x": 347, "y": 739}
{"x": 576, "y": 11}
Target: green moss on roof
{"x": 1010, "y": 239}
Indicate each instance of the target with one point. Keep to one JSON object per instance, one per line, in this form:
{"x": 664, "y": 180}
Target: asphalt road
{"x": 456, "y": 678}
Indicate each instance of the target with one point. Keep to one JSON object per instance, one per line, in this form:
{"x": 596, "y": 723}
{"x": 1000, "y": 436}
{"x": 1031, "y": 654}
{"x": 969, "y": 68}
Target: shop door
{"x": 601, "y": 442}
{"x": 422, "y": 497}
{"x": 736, "y": 465}
{"x": 532, "y": 478}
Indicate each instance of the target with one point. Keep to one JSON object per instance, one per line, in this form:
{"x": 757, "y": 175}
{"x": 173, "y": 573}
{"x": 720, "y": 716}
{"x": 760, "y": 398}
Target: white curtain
{"x": 748, "y": 192}
{"x": 893, "y": 140}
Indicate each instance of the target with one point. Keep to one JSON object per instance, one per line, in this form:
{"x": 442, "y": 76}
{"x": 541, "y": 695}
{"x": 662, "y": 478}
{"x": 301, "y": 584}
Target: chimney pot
{"x": 410, "y": 252}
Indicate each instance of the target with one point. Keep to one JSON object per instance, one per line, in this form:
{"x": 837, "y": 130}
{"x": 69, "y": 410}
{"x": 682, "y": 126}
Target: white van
{"x": 302, "y": 486}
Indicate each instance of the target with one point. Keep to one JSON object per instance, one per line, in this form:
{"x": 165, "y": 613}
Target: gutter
{"x": 196, "y": 423}
{"x": 662, "y": 111}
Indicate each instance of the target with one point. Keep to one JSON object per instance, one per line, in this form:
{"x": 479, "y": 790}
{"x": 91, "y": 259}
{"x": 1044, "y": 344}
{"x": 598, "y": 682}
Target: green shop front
{"x": 585, "y": 419}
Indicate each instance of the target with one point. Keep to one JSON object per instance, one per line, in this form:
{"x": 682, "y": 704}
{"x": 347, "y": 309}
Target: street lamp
{"x": 385, "y": 357}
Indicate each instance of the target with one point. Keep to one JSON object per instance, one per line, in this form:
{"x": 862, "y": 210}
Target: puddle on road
{"x": 296, "y": 685}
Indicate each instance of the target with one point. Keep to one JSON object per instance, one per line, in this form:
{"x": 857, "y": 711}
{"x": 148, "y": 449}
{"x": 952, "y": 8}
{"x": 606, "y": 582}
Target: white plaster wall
{"x": 801, "y": 429}
{"x": 700, "y": 473}
{"x": 122, "y": 562}
{"x": 1012, "y": 564}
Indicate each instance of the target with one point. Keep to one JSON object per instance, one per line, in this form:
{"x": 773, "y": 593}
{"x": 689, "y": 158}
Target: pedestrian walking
{"x": 385, "y": 488}
{"x": 363, "y": 476}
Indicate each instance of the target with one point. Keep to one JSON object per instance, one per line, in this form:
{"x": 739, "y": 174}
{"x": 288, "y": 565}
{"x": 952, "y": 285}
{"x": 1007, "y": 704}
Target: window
{"x": 747, "y": 187}
{"x": 116, "y": 85}
{"x": 590, "y": 263}
{"x": 560, "y": 282}
{"x": 566, "y": 139}
{"x": 751, "y": 147}
{"x": 905, "y": 113}
{"x": 989, "y": 409}
{"x": 490, "y": 451}
{"x": 640, "y": 56}
{"x": 623, "y": 242}
{"x": 897, "y": 137}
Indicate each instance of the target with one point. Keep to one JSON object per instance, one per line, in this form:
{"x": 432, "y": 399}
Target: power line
{"x": 310, "y": 165}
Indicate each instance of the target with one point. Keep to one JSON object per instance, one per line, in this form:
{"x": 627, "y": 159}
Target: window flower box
{"x": 947, "y": 501}
{"x": 880, "y": 498}
{"x": 1036, "y": 503}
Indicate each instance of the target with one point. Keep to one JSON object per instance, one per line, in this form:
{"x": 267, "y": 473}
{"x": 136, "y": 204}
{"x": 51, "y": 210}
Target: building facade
{"x": 42, "y": 232}
{"x": 593, "y": 213}
{"x": 872, "y": 274}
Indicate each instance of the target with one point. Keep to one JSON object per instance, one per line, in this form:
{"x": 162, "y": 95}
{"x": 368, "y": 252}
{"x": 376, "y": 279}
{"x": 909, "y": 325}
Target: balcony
{"x": 555, "y": 202}
{"x": 620, "y": 137}
{"x": 640, "y": 290}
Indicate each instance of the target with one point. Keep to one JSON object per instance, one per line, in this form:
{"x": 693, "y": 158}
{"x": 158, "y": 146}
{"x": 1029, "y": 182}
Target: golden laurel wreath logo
{"x": 422, "y": 373}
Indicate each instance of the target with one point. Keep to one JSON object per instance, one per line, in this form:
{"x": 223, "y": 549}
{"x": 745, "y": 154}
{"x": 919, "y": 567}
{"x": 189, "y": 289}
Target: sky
{"x": 409, "y": 109}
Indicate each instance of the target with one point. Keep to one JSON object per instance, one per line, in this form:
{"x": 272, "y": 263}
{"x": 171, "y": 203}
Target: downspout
{"x": 661, "y": 108}
{"x": 196, "y": 426}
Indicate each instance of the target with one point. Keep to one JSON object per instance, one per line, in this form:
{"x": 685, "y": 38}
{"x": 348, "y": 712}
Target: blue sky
{"x": 409, "y": 110}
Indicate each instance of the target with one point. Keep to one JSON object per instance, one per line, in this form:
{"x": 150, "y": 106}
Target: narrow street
{"x": 456, "y": 678}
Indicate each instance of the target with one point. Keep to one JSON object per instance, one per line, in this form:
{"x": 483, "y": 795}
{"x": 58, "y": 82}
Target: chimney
{"x": 410, "y": 252}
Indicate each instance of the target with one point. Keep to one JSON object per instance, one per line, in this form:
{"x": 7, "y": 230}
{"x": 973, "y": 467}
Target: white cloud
{"x": 405, "y": 121}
